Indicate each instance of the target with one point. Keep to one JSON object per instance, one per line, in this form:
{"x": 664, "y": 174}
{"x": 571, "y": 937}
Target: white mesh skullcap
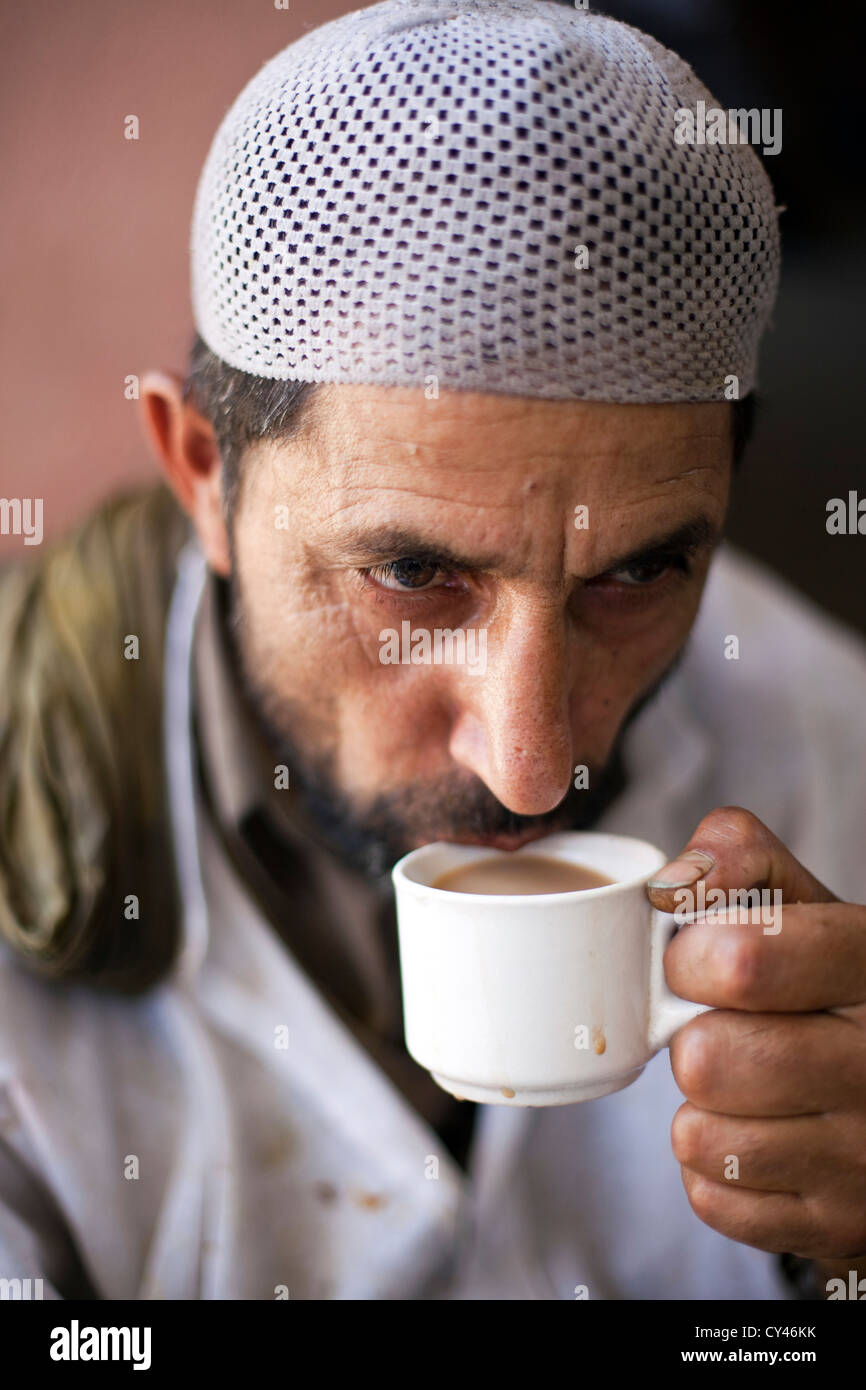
{"x": 401, "y": 193}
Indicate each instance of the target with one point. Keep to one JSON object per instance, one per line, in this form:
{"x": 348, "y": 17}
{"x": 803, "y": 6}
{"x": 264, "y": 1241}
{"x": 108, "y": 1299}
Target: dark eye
{"x": 647, "y": 573}
{"x": 405, "y": 573}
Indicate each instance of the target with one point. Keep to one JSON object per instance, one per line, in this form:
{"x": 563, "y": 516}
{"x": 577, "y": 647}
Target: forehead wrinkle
{"x": 376, "y": 491}
{"x": 606, "y": 437}
{"x": 450, "y": 461}
{"x": 687, "y": 473}
{"x": 559, "y": 467}
{"x": 375, "y": 458}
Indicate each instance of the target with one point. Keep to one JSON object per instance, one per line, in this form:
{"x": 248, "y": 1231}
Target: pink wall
{"x": 93, "y": 244}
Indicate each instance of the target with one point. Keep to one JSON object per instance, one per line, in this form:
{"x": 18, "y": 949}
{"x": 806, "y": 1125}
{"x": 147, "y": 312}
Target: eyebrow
{"x": 391, "y": 543}
{"x": 697, "y": 533}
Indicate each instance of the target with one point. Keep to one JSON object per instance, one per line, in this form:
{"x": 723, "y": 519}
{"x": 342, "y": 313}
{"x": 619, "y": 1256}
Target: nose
{"x": 513, "y": 727}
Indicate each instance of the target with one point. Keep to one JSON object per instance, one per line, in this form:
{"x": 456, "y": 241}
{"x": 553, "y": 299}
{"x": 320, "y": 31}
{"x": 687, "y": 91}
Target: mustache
{"x": 372, "y": 839}
{"x": 456, "y": 808}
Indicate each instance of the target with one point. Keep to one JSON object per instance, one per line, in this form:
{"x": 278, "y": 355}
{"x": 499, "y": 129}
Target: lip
{"x": 504, "y": 842}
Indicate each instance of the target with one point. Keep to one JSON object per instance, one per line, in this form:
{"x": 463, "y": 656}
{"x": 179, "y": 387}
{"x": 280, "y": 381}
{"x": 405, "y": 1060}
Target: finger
{"x": 770, "y": 1064}
{"x": 780, "y": 1222}
{"x": 777, "y": 1221}
{"x": 817, "y": 960}
{"x": 730, "y": 849}
{"x": 803, "y": 1154}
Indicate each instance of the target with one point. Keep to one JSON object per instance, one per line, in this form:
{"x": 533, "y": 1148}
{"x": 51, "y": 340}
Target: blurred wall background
{"x": 94, "y": 242}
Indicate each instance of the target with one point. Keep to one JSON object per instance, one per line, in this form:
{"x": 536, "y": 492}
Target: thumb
{"x": 731, "y": 848}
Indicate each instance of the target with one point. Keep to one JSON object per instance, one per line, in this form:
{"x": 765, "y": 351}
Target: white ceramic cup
{"x": 538, "y": 999}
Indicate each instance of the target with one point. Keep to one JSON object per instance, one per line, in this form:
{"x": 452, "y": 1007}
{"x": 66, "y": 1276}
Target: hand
{"x": 772, "y": 1137}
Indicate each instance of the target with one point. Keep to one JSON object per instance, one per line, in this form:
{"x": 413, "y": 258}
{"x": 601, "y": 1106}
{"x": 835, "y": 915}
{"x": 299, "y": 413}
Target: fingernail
{"x": 691, "y": 866}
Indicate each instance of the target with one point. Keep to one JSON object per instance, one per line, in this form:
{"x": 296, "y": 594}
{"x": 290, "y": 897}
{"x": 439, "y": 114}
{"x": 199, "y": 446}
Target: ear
{"x": 186, "y": 447}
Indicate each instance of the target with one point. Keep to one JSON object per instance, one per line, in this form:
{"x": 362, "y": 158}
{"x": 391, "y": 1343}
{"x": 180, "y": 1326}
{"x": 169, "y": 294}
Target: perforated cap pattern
{"x": 401, "y": 193}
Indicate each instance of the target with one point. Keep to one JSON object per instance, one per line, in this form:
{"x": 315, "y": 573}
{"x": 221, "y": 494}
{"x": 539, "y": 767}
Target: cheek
{"x": 619, "y": 659}
{"x": 295, "y": 640}
{"x": 393, "y": 726}
{"x": 313, "y": 653}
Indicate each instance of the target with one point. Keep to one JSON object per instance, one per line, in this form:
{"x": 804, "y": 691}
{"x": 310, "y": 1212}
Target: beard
{"x": 458, "y": 806}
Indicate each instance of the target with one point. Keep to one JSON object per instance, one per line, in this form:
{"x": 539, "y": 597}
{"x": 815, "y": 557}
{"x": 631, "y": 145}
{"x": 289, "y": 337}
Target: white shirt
{"x": 183, "y": 1153}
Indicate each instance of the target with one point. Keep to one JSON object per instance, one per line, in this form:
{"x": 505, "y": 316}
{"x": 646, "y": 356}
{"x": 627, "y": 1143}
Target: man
{"x": 476, "y": 343}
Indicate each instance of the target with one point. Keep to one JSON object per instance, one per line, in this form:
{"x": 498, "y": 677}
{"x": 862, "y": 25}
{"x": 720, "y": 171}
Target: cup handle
{"x": 667, "y": 1011}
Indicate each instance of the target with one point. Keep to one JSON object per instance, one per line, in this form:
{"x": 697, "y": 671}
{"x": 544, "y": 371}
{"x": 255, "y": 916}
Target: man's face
{"x": 460, "y": 513}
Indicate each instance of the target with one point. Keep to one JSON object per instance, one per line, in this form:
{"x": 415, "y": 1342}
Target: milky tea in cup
{"x": 535, "y": 977}
{"x": 520, "y": 873}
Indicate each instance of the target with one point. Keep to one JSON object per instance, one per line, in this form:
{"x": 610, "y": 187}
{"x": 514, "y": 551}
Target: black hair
{"x": 742, "y": 427}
